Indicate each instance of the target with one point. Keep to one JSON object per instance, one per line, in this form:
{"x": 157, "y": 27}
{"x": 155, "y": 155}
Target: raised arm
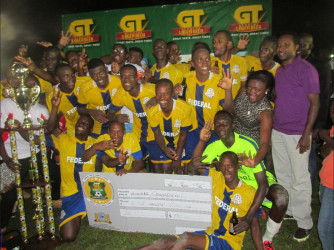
{"x": 242, "y": 44}
{"x": 55, "y": 102}
{"x": 226, "y": 83}
{"x": 64, "y": 41}
{"x": 204, "y": 137}
{"x": 35, "y": 69}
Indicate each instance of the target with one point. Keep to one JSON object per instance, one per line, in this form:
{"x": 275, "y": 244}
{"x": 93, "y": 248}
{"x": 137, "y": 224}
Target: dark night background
{"x": 36, "y": 20}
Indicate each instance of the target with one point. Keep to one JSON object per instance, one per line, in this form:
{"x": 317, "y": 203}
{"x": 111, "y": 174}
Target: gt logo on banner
{"x": 190, "y": 23}
{"x": 133, "y": 28}
{"x": 248, "y": 20}
{"x": 82, "y": 34}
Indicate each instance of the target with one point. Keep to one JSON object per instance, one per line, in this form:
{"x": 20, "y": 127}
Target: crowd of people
{"x": 251, "y": 123}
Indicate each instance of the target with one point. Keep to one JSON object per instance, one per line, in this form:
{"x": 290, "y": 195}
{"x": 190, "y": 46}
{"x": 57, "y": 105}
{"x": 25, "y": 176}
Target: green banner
{"x": 185, "y": 24}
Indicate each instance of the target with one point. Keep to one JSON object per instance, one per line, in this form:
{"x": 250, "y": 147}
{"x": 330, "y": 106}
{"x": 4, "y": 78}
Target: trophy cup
{"x": 25, "y": 96}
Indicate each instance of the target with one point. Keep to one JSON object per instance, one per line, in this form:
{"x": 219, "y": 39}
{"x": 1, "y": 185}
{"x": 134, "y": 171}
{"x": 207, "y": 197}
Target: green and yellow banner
{"x": 185, "y": 24}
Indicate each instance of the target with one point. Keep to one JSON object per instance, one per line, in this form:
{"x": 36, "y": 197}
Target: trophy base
{"x": 27, "y": 122}
{"x": 48, "y": 242}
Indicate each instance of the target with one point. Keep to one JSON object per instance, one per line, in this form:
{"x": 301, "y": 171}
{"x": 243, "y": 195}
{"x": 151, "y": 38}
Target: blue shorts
{"x": 72, "y": 207}
{"x": 192, "y": 141}
{"x": 214, "y": 242}
{"x": 145, "y": 148}
{"x": 156, "y": 154}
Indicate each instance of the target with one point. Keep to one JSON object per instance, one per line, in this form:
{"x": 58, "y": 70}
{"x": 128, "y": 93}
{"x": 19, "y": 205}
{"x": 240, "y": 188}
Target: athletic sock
{"x": 271, "y": 230}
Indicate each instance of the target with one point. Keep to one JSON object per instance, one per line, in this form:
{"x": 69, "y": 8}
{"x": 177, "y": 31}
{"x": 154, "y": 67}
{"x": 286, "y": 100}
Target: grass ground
{"x": 93, "y": 238}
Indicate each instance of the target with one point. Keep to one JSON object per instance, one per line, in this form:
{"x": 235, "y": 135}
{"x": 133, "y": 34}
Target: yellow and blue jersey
{"x": 238, "y": 67}
{"x": 130, "y": 145}
{"x": 71, "y": 150}
{"x": 137, "y": 106}
{"x": 46, "y": 89}
{"x": 255, "y": 64}
{"x": 168, "y": 72}
{"x": 180, "y": 119}
{"x": 225, "y": 201}
{"x": 92, "y": 97}
{"x": 205, "y": 98}
{"x": 183, "y": 67}
{"x": 68, "y": 105}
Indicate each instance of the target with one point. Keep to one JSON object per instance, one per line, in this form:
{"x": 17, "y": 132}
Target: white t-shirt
{"x": 8, "y": 106}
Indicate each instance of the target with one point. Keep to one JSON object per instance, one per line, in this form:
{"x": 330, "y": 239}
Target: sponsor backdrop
{"x": 151, "y": 203}
{"x": 185, "y": 24}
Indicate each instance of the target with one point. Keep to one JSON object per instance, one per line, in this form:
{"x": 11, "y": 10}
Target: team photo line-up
{"x": 252, "y": 123}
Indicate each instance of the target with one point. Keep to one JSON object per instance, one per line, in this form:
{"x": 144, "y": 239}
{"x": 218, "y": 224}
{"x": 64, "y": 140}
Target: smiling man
{"x": 237, "y": 65}
{"x": 170, "y": 121}
{"x": 69, "y": 86}
{"x": 119, "y": 151}
{"x": 95, "y": 95}
{"x": 265, "y": 61}
{"x": 134, "y": 96}
{"x": 296, "y": 109}
{"x": 229, "y": 194}
{"x": 71, "y": 147}
{"x": 205, "y": 94}
{"x": 163, "y": 68}
{"x": 254, "y": 175}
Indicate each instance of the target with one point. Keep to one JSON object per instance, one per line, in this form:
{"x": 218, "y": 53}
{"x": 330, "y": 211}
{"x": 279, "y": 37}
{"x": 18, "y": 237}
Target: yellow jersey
{"x": 168, "y": 72}
{"x": 255, "y": 64}
{"x": 71, "y": 150}
{"x": 183, "y": 67}
{"x": 130, "y": 145}
{"x": 225, "y": 201}
{"x": 46, "y": 89}
{"x": 92, "y": 97}
{"x": 205, "y": 98}
{"x": 137, "y": 106}
{"x": 68, "y": 105}
{"x": 180, "y": 119}
{"x": 238, "y": 67}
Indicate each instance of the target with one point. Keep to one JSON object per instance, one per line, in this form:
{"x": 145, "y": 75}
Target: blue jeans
{"x": 326, "y": 217}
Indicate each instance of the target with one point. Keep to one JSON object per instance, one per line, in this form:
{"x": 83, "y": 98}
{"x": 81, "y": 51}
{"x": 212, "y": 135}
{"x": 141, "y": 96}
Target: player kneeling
{"x": 229, "y": 194}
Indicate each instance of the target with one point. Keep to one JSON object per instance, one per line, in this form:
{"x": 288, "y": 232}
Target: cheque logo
{"x": 82, "y": 32}
{"x": 98, "y": 190}
{"x": 190, "y": 24}
{"x": 247, "y": 19}
{"x": 132, "y": 28}
{"x": 102, "y": 218}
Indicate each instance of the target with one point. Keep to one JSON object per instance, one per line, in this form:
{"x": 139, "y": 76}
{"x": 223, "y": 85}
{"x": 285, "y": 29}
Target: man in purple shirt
{"x": 296, "y": 108}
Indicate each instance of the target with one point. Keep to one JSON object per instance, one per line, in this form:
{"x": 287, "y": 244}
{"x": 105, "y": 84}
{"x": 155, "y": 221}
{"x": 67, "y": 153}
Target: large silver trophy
{"x": 25, "y": 96}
